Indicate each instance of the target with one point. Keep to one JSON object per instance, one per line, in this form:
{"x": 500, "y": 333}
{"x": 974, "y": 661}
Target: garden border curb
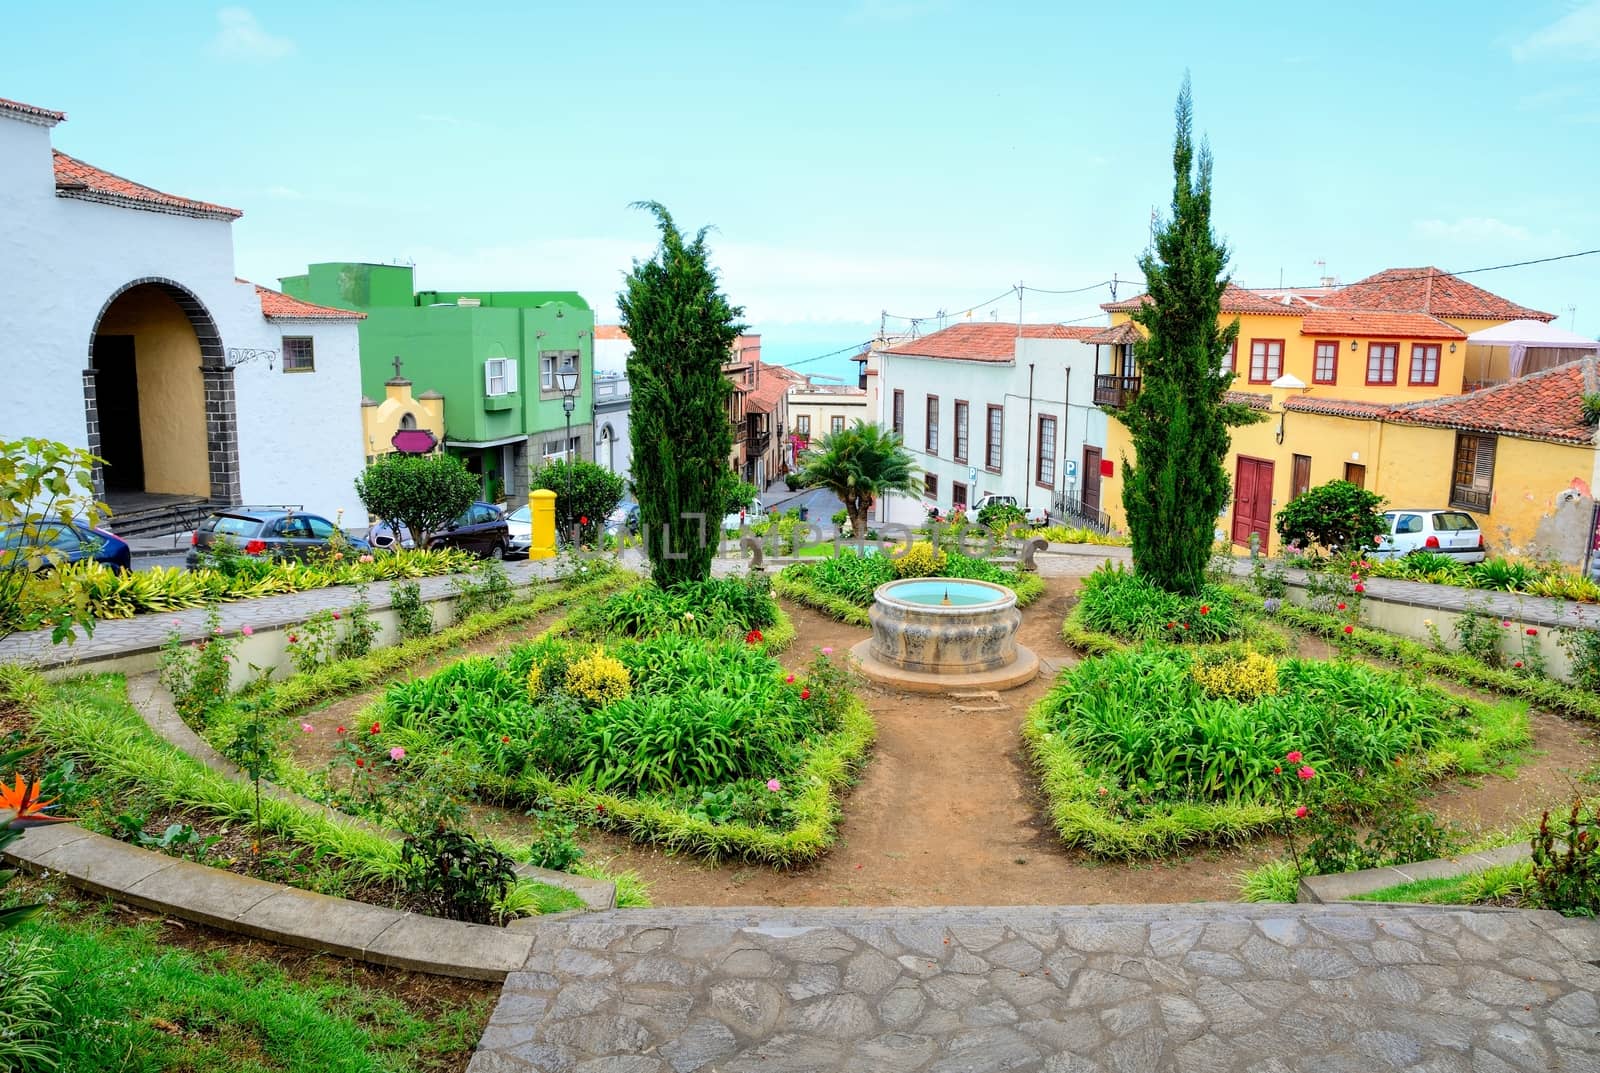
{"x": 271, "y": 911}
{"x": 1344, "y": 885}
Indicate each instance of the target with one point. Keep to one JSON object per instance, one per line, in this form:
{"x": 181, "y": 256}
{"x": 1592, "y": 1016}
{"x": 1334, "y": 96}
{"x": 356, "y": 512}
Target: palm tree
{"x": 858, "y": 464}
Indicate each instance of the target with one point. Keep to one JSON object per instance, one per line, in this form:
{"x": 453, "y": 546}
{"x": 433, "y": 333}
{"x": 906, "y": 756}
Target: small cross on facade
{"x": 397, "y": 366}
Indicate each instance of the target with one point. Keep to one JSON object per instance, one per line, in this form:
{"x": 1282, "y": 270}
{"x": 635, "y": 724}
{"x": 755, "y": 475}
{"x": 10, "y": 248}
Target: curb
{"x": 1324, "y": 890}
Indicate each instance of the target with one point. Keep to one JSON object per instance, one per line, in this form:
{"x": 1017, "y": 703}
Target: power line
{"x": 1436, "y": 273}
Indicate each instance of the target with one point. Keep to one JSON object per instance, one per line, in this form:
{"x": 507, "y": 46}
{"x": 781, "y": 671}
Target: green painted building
{"x": 495, "y": 356}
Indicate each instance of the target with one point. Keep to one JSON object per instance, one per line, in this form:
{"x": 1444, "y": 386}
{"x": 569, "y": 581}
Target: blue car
{"x": 73, "y": 542}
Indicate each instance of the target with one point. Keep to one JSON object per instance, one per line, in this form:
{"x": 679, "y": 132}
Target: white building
{"x": 127, "y": 333}
{"x": 613, "y": 438}
{"x": 815, "y": 410}
{"x": 987, "y": 409}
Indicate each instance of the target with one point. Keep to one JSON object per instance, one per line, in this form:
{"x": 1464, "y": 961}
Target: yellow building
{"x": 1365, "y": 383}
{"x": 400, "y": 411}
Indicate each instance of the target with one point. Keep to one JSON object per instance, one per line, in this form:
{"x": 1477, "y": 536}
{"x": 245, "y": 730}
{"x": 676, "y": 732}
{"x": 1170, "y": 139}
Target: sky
{"x": 852, "y": 157}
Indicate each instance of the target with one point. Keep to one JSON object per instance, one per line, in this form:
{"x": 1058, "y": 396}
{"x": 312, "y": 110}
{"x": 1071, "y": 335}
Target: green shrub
{"x": 1502, "y": 575}
{"x": 198, "y": 674}
{"x": 1337, "y": 515}
{"x": 1568, "y": 879}
{"x": 1001, "y": 516}
{"x": 486, "y": 589}
{"x": 415, "y": 617}
{"x": 715, "y": 607}
{"x": 586, "y": 494}
{"x": 1118, "y": 602}
{"x": 464, "y": 876}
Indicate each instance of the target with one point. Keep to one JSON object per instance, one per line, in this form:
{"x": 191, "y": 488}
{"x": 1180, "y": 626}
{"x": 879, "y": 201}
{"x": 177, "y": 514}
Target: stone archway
{"x": 181, "y": 437}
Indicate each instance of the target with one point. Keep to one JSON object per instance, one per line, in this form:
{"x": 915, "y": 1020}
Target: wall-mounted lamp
{"x": 1352, "y": 346}
{"x": 1286, "y": 383}
{"x": 1452, "y": 348}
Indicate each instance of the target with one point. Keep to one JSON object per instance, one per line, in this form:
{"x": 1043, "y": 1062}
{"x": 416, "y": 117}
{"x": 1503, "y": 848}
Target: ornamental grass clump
{"x": 1130, "y": 607}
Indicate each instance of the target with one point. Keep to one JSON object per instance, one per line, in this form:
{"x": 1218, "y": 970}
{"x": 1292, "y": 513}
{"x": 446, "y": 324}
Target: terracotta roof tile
{"x": 1234, "y": 300}
{"x": 1547, "y": 405}
{"x": 1371, "y": 322}
{"x": 985, "y": 341}
{"x": 1248, "y": 398}
{"x": 31, "y": 111}
{"x": 610, "y": 331}
{"x": 1118, "y": 334}
{"x": 1316, "y": 404}
{"x": 275, "y": 305}
{"x": 74, "y": 178}
{"x": 1428, "y": 290}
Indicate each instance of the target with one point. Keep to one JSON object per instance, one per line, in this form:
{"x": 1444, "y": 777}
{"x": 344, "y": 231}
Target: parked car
{"x": 278, "y": 531}
{"x": 481, "y": 529}
{"x": 73, "y": 541}
{"x": 749, "y": 516}
{"x": 1444, "y": 532}
{"x": 624, "y": 520}
{"x": 519, "y": 527}
{"x": 991, "y": 499}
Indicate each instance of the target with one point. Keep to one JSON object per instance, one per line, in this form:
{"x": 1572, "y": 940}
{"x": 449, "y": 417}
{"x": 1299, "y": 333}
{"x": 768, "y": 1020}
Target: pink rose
{"x": 774, "y": 785}
{"x": 397, "y": 753}
{"x": 248, "y": 631}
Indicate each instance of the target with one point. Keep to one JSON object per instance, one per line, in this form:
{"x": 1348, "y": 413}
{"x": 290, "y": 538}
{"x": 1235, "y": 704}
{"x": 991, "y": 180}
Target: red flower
{"x": 1186, "y": 625}
{"x": 1172, "y": 625}
{"x": 341, "y": 730}
{"x": 1294, "y": 756}
{"x": 583, "y": 519}
{"x": 255, "y": 547}
{"x": 1360, "y": 587}
{"x": 1341, "y": 607}
{"x": 376, "y": 727}
{"x": 1277, "y": 770}
{"x": 805, "y": 694}
{"x": 360, "y": 762}
{"x": 1349, "y": 629}
{"x": 1505, "y": 622}
{"x": 293, "y": 639}
{"x": 753, "y": 637}
{"x": 600, "y": 808}
{"x": 1518, "y": 665}
{"x": 1301, "y": 812}
{"x": 505, "y": 739}
{"x": 1532, "y": 632}
{"x": 1204, "y": 610}
{"x": 1307, "y": 773}
{"x": 336, "y": 616}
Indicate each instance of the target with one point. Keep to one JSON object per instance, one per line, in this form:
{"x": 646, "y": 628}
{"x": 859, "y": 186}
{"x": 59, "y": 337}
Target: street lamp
{"x": 567, "y": 381}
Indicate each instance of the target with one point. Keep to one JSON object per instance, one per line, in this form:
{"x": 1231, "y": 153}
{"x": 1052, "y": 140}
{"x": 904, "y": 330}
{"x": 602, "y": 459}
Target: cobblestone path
{"x": 1266, "y": 989}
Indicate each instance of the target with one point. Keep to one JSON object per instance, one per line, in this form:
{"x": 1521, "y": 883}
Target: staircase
{"x": 147, "y": 515}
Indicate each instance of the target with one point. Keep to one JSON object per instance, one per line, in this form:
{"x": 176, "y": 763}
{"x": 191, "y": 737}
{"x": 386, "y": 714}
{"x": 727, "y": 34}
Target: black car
{"x": 277, "y": 531}
{"x": 73, "y": 542}
{"x": 480, "y": 529}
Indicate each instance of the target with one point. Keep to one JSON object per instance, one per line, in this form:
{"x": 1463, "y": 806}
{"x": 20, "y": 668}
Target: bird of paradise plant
{"x": 21, "y": 805}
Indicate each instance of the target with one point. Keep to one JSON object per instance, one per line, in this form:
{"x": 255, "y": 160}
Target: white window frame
{"x": 499, "y": 377}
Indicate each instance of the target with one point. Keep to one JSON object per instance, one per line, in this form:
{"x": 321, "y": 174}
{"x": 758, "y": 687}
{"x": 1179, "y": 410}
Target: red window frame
{"x": 930, "y": 426}
{"x": 898, "y": 415}
{"x": 1319, "y": 350}
{"x": 1394, "y": 364}
{"x": 1039, "y": 456}
{"x": 1422, "y": 350}
{"x": 960, "y": 417}
{"x": 958, "y": 496}
{"x": 930, "y": 485}
{"x": 994, "y": 452}
{"x": 1264, "y": 378}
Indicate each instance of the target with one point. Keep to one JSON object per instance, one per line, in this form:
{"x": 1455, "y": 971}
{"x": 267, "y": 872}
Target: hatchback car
{"x": 1444, "y": 532}
{"x": 72, "y": 542}
{"x": 624, "y": 520}
{"x": 480, "y": 529}
{"x": 275, "y": 531}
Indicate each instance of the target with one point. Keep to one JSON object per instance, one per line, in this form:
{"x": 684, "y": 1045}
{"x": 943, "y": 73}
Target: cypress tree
{"x": 682, "y": 329}
{"x": 1177, "y": 487}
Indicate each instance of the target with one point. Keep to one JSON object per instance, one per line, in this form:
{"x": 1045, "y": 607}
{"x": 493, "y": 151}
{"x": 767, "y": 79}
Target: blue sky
{"x": 854, "y": 156}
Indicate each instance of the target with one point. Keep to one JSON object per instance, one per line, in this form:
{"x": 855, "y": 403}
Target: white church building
{"x": 126, "y": 332}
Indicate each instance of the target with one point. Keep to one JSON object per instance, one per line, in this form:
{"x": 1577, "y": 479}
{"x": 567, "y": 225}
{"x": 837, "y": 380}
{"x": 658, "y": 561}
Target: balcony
{"x": 758, "y": 441}
{"x": 1115, "y": 391}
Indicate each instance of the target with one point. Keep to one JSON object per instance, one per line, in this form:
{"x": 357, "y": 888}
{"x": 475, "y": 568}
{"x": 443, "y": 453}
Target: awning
{"x": 1531, "y": 333}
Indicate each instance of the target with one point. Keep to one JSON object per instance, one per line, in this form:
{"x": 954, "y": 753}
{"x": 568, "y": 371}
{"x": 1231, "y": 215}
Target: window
{"x": 1472, "y": 482}
{"x": 802, "y": 424}
{"x": 993, "y": 448}
{"x": 930, "y": 440}
{"x": 552, "y": 449}
{"x": 1044, "y": 472}
{"x": 1325, "y": 366}
{"x": 298, "y": 354}
{"x": 1266, "y": 360}
{"x": 1230, "y": 364}
{"x": 1356, "y": 474}
{"x": 961, "y": 430}
{"x": 836, "y": 424}
{"x": 1407, "y": 524}
{"x": 1424, "y": 364}
{"x": 930, "y": 486}
{"x": 1382, "y": 358}
{"x": 552, "y": 362}
{"x": 408, "y": 421}
{"x": 1299, "y": 477}
{"x": 499, "y": 377}
{"x": 899, "y": 426}
{"x": 958, "y": 496}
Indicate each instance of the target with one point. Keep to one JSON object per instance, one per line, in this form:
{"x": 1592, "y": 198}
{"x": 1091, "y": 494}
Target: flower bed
{"x": 1119, "y": 602}
{"x": 1138, "y": 757}
{"x": 109, "y": 595}
{"x": 1496, "y": 574}
{"x": 697, "y": 744}
{"x": 734, "y": 608}
{"x": 842, "y": 586}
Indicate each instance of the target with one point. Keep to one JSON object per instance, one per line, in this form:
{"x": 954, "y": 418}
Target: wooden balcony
{"x": 1115, "y": 391}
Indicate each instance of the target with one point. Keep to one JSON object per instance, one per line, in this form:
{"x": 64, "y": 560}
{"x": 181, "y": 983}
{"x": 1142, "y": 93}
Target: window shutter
{"x": 488, "y": 378}
{"x": 1483, "y": 465}
{"x": 511, "y": 376}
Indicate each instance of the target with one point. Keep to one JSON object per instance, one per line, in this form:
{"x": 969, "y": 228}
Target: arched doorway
{"x": 159, "y": 397}
{"x": 608, "y": 447}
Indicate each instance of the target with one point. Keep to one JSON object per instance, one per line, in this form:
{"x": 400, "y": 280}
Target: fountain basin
{"x": 939, "y": 634}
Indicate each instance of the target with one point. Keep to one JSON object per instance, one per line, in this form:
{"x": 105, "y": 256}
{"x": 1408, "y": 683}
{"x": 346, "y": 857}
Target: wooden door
{"x": 1252, "y": 501}
{"x": 1356, "y": 474}
{"x": 1301, "y": 477}
{"x": 1091, "y": 480}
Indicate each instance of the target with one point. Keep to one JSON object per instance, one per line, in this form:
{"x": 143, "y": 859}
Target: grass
{"x": 130, "y": 1001}
{"x": 797, "y": 585}
{"x": 1496, "y": 884}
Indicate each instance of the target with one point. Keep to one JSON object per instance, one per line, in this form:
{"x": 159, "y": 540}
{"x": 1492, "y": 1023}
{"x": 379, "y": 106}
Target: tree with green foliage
{"x": 858, "y": 464}
{"x": 682, "y": 328}
{"x": 424, "y": 493}
{"x": 1339, "y": 516}
{"x": 586, "y": 493}
{"x": 44, "y": 486}
{"x": 1177, "y": 487}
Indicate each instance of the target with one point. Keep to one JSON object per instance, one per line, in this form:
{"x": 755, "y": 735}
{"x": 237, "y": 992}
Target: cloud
{"x": 1574, "y": 36}
{"x": 1471, "y": 229}
{"x": 240, "y": 37}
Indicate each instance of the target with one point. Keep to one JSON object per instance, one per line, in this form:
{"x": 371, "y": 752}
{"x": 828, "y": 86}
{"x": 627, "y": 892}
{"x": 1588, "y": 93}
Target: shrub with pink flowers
{"x": 198, "y": 673}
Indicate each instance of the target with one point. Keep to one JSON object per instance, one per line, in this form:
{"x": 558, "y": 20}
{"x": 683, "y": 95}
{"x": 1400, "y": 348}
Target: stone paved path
{"x": 1266, "y": 989}
{"x": 144, "y": 633}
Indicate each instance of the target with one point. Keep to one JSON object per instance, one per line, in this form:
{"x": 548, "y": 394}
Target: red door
{"x": 1252, "y": 501}
{"x": 1091, "y": 480}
